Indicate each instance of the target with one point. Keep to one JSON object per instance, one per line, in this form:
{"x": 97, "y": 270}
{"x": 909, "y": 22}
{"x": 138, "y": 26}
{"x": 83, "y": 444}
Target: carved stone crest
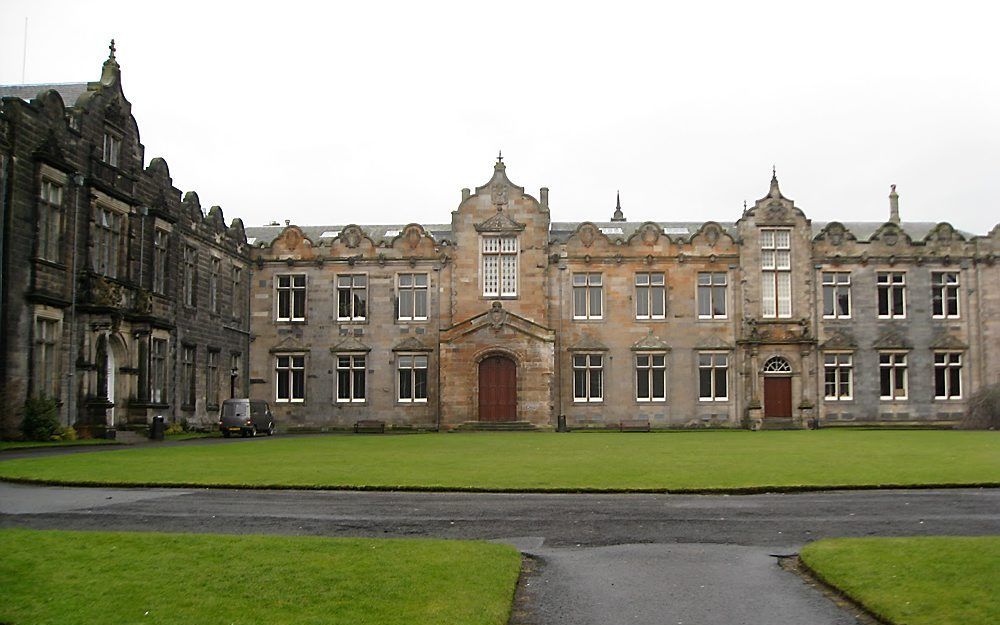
{"x": 351, "y": 236}
{"x": 412, "y": 237}
{"x": 775, "y": 212}
{"x": 890, "y": 238}
{"x": 587, "y": 235}
{"x": 650, "y": 234}
{"x": 712, "y": 234}
{"x": 499, "y": 195}
{"x": 836, "y": 234}
{"x": 497, "y": 316}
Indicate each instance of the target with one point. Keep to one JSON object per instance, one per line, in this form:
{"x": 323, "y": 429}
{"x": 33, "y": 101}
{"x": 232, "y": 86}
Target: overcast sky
{"x": 379, "y": 112}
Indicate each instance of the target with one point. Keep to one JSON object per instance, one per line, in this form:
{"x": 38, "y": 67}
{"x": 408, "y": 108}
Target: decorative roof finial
{"x": 619, "y": 215}
{"x": 775, "y": 192}
{"x": 893, "y": 205}
{"x": 112, "y": 49}
{"x": 500, "y": 157}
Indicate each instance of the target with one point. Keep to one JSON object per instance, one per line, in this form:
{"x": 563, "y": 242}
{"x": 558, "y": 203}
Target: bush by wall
{"x": 41, "y": 419}
{"x": 983, "y": 412}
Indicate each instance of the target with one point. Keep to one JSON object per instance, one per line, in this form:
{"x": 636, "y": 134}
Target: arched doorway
{"x": 497, "y": 389}
{"x": 777, "y": 388}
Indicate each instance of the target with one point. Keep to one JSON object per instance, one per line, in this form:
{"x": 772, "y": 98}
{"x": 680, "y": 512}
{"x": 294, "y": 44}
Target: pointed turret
{"x": 893, "y": 205}
{"x": 619, "y": 215}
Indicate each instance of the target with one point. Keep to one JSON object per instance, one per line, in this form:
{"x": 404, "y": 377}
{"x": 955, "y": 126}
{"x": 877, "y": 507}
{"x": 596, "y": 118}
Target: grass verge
{"x": 914, "y": 581}
{"x": 695, "y": 462}
{"x": 98, "y": 577}
{"x": 17, "y": 445}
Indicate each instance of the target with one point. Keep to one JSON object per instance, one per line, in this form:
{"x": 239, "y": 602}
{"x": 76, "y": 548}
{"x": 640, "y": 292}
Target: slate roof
{"x": 264, "y": 235}
{"x": 69, "y": 91}
{"x": 561, "y": 230}
{"x": 863, "y": 230}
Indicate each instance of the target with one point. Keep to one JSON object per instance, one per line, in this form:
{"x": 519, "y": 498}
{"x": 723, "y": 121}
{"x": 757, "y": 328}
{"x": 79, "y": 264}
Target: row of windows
{"x": 838, "y": 372}
{"x": 189, "y": 282}
{"x": 891, "y": 294}
{"x": 352, "y": 297}
{"x": 350, "y": 378}
{"x": 651, "y": 377}
{"x": 213, "y": 378}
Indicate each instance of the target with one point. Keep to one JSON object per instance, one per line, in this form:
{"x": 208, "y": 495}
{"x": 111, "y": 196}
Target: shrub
{"x": 67, "y": 433}
{"x": 41, "y": 419}
{"x": 983, "y": 412}
{"x": 174, "y": 428}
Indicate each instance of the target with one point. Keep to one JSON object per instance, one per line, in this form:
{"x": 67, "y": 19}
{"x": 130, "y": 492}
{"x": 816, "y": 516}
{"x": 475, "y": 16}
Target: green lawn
{"x": 5, "y": 445}
{"x": 49, "y": 577}
{"x": 915, "y": 581}
{"x": 682, "y": 461}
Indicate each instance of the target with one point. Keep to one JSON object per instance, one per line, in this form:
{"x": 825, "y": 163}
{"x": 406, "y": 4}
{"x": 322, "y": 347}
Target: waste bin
{"x": 561, "y": 423}
{"x": 156, "y": 428}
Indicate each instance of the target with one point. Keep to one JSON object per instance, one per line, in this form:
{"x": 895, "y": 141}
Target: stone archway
{"x": 777, "y": 388}
{"x": 497, "y": 389}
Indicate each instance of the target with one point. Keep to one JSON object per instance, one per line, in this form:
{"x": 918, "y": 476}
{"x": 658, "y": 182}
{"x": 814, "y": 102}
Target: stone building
{"x": 120, "y": 299}
{"x": 504, "y": 316}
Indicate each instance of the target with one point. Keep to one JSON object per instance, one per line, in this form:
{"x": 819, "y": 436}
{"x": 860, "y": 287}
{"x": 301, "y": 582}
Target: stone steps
{"x": 780, "y": 423}
{"x": 497, "y": 426}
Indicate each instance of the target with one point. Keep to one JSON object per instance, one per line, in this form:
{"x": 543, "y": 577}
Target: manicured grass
{"x": 49, "y": 577}
{"x": 547, "y": 461}
{"x": 5, "y": 445}
{"x": 915, "y": 581}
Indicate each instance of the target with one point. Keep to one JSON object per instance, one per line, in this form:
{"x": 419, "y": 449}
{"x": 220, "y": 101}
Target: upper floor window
{"x": 776, "y": 266}
{"x": 412, "y": 370}
{"x": 160, "y": 241}
{"x": 712, "y": 295}
{"x": 836, "y": 294}
{"x": 212, "y": 379}
{"x": 291, "y": 290}
{"x": 837, "y": 375}
{"x": 290, "y": 382}
{"x": 713, "y": 376}
{"x": 944, "y": 294}
{"x": 107, "y": 240}
{"x": 190, "y": 276}
{"x": 46, "y": 373}
{"x": 891, "y": 294}
{"x": 237, "y": 279}
{"x": 352, "y": 297}
{"x": 587, "y": 296}
{"x": 50, "y": 221}
{"x": 892, "y": 375}
{"x": 588, "y": 377}
{"x": 213, "y": 284}
{"x": 350, "y": 377}
{"x": 948, "y": 375}
{"x": 499, "y": 266}
{"x": 112, "y": 148}
{"x": 650, "y": 377}
{"x": 650, "y": 296}
{"x": 412, "y": 290}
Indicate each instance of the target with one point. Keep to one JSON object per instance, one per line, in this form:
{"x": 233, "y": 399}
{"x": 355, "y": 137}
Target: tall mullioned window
{"x": 713, "y": 376}
{"x": 237, "y": 279}
{"x": 650, "y": 296}
{"x": 712, "y": 295}
{"x": 213, "y": 284}
{"x": 412, "y": 290}
{"x": 948, "y": 375}
{"x": 111, "y": 153}
{"x": 107, "y": 238}
{"x": 499, "y": 266}
{"x": 944, "y": 294}
{"x": 350, "y": 378}
{"x": 587, "y": 296}
{"x": 187, "y": 375}
{"x": 161, "y": 239}
{"x": 588, "y": 377}
{"x": 190, "y": 276}
{"x": 290, "y": 378}
{"x": 892, "y": 375}
{"x": 46, "y": 378}
{"x": 412, "y": 372}
{"x": 158, "y": 372}
{"x": 838, "y": 372}
{"x": 776, "y": 269}
{"x": 50, "y": 221}
{"x": 291, "y": 292}
{"x": 650, "y": 377}
{"x": 352, "y": 297}
{"x": 836, "y": 295}
{"x": 891, "y": 294}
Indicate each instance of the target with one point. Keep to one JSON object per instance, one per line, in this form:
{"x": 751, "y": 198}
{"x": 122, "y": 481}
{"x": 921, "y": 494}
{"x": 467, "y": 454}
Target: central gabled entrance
{"x": 497, "y": 389}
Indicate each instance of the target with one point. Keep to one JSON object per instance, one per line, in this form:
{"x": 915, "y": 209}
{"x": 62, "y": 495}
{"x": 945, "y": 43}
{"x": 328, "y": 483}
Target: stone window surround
{"x": 350, "y": 369}
{"x": 891, "y": 286}
{"x": 277, "y": 289}
{"x": 714, "y": 368}
{"x": 947, "y": 365}
{"x": 838, "y": 366}
{"x": 413, "y": 368}
{"x": 697, "y": 295}
{"x": 499, "y": 293}
{"x": 588, "y": 287}
{"x": 651, "y": 287}
{"x": 835, "y": 285}
{"x": 776, "y": 272}
{"x": 650, "y": 370}
{"x": 103, "y": 202}
{"x": 943, "y": 286}
{"x": 353, "y": 318}
{"x": 895, "y": 365}
{"x": 50, "y": 314}
{"x": 414, "y": 289}
{"x": 588, "y": 367}
{"x": 58, "y": 179}
{"x": 289, "y": 371}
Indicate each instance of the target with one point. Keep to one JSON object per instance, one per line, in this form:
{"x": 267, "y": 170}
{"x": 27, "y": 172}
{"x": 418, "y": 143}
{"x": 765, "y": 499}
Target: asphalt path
{"x": 635, "y": 559}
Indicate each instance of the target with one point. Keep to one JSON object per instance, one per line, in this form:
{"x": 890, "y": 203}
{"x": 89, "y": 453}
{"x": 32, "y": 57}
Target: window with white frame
{"x": 213, "y": 284}
{"x": 412, "y": 370}
{"x": 158, "y": 371}
{"x": 713, "y": 376}
{"x": 190, "y": 276}
{"x": 161, "y": 239}
{"x": 944, "y": 294}
{"x": 187, "y": 375}
{"x": 50, "y": 221}
{"x": 46, "y": 374}
{"x": 776, "y": 266}
{"x": 499, "y": 266}
{"x": 290, "y": 374}
{"x": 237, "y": 279}
{"x": 291, "y": 292}
{"x": 212, "y": 378}
{"x": 948, "y": 375}
{"x": 650, "y": 296}
{"x": 588, "y": 377}
{"x": 650, "y": 377}
{"x": 836, "y": 295}
{"x": 107, "y": 239}
{"x": 892, "y": 375}
{"x": 412, "y": 291}
{"x": 352, "y": 297}
{"x": 350, "y": 378}
{"x": 838, "y": 370}
{"x": 587, "y": 296}
{"x": 111, "y": 154}
{"x": 712, "y": 294}
{"x": 891, "y": 294}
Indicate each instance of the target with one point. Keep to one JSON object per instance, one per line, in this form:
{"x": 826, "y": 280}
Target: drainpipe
{"x": 78, "y": 183}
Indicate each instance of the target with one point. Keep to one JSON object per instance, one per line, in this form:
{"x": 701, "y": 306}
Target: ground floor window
{"x": 713, "y": 376}
{"x": 588, "y": 377}
{"x": 651, "y": 377}
{"x": 212, "y": 379}
{"x": 187, "y": 375}
{"x": 46, "y": 378}
{"x": 412, "y": 370}
{"x": 837, "y": 375}
{"x": 948, "y": 375}
{"x": 158, "y": 372}
{"x": 290, "y": 372}
{"x": 350, "y": 377}
{"x": 892, "y": 375}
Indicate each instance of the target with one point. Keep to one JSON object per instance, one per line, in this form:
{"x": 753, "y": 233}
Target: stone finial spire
{"x": 893, "y": 205}
{"x": 500, "y": 164}
{"x": 775, "y": 192}
{"x": 111, "y": 70}
{"x": 619, "y": 215}
{"x": 111, "y": 56}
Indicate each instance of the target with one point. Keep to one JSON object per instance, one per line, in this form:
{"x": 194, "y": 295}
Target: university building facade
{"x": 123, "y": 299}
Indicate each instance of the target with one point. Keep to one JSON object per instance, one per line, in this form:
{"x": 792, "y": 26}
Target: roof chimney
{"x": 543, "y": 195}
{"x": 894, "y": 206}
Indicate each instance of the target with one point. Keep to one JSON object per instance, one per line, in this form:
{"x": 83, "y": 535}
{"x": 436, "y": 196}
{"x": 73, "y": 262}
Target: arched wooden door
{"x": 497, "y": 389}
{"x": 777, "y": 388}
